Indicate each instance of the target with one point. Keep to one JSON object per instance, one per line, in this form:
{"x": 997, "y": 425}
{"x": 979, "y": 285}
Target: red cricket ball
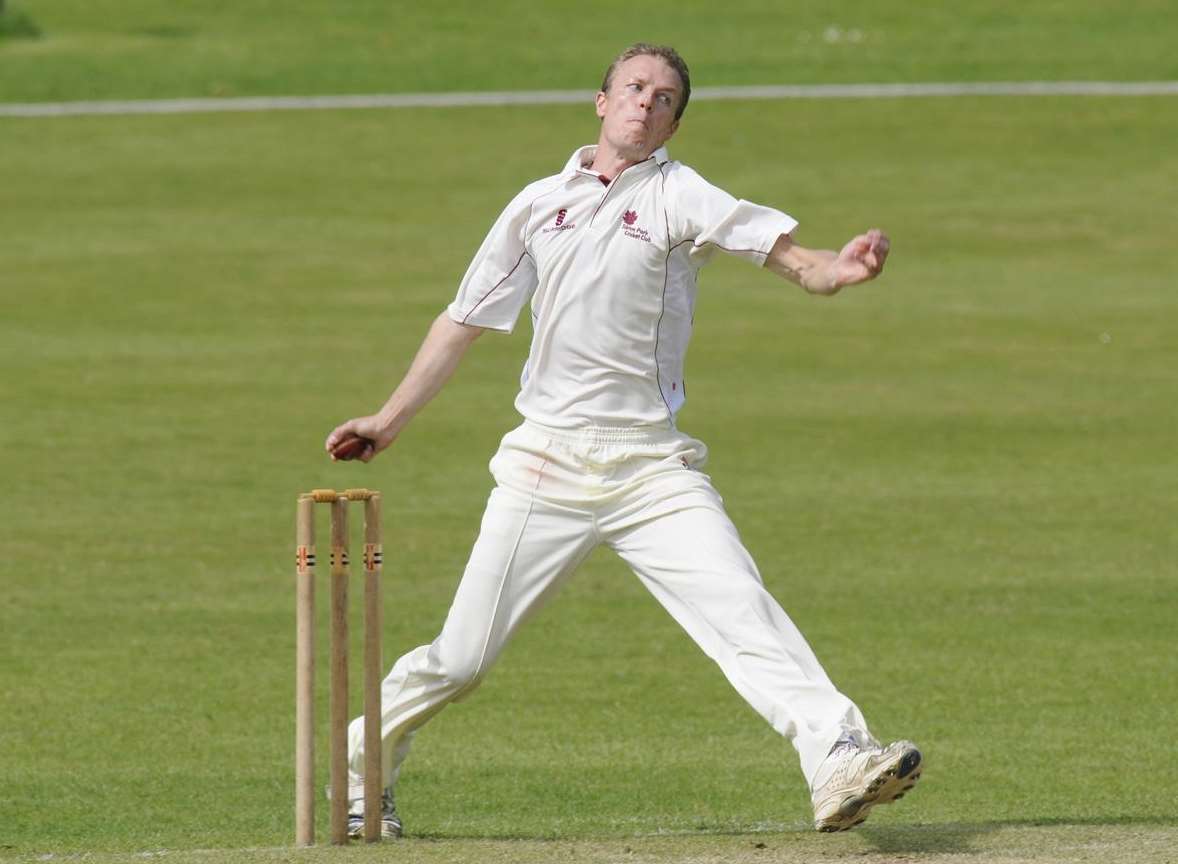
{"x": 351, "y": 448}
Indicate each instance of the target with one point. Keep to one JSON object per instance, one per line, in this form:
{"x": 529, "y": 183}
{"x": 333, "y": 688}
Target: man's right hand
{"x": 359, "y": 438}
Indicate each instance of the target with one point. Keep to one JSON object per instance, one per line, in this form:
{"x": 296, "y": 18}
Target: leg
{"x": 525, "y": 550}
{"x": 682, "y": 545}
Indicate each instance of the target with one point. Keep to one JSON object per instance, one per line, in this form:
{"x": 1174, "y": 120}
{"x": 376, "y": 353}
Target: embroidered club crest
{"x": 629, "y": 217}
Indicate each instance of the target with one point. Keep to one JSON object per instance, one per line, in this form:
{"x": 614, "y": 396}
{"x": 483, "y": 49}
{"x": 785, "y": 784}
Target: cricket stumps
{"x": 305, "y": 664}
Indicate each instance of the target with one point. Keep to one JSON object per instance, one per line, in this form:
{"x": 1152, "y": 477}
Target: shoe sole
{"x": 891, "y": 782}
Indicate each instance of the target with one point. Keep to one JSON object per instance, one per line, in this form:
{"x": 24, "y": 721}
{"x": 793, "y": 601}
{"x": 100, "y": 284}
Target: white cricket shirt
{"x": 611, "y": 273}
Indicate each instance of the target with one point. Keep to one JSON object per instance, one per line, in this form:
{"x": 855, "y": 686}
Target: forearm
{"x": 820, "y": 271}
{"x": 437, "y": 358}
{"x": 812, "y": 269}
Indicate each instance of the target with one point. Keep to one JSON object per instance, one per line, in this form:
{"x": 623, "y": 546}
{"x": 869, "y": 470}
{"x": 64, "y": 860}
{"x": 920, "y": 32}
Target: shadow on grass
{"x": 15, "y": 24}
{"x": 959, "y": 837}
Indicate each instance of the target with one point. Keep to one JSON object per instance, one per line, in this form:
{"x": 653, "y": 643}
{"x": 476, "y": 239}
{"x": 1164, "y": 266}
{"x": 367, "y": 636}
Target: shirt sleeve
{"x": 711, "y": 219}
{"x": 502, "y": 276}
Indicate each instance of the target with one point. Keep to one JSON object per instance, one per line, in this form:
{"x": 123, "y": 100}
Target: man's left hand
{"x": 861, "y": 259}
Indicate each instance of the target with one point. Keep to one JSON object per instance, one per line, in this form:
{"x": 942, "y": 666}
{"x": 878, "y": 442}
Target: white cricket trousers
{"x": 558, "y": 495}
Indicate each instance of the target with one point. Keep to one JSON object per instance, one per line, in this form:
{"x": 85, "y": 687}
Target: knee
{"x": 459, "y": 667}
{"x": 739, "y": 588}
{"x": 748, "y": 600}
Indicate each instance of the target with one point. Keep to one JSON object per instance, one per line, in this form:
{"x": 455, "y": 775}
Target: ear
{"x": 601, "y": 99}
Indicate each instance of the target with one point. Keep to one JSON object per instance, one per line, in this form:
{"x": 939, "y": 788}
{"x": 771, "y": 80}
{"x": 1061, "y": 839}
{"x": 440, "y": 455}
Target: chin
{"x": 641, "y": 146}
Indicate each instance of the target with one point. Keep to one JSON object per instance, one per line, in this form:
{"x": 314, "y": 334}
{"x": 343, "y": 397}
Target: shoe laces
{"x": 846, "y": 760}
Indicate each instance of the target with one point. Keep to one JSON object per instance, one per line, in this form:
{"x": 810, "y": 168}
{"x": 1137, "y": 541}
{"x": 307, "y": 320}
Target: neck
{"x": 611, "y": 162}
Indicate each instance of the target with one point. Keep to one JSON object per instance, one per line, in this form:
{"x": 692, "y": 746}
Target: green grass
{"x": 140, "y": 48}
{"x": 958, "y": 481}
{"x": 16, "y": 24}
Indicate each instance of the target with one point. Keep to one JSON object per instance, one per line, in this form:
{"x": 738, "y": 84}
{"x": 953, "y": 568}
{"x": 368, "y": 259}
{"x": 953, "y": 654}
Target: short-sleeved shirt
{"x": 611, "y": 269}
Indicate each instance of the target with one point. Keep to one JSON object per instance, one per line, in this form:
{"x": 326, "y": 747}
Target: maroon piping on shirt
{"x": 658, "y": 327}
{"x": 466, "y": 317}
{"x": 725, "y": 248}
{"x": 531, "y": 207}
{"x": 613, "y": 185}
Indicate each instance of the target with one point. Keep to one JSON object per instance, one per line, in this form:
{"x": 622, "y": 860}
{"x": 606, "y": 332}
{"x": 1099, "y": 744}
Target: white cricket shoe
{"x": 854, "y": 779}
{"x": 390, "y": 822}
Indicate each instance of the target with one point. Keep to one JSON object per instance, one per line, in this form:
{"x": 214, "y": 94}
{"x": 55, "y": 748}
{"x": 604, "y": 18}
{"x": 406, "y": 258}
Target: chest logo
{"x": 632, "y": 230}
{"x": 560, "y": 224}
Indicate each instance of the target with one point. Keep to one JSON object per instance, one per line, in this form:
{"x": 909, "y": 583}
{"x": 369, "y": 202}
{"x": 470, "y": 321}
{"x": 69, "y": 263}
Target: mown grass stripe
{"x": 557, "y": 97}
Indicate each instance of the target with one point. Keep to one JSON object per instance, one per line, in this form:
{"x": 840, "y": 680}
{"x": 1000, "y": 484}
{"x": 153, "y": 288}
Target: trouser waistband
{"x": 636, "y": 435}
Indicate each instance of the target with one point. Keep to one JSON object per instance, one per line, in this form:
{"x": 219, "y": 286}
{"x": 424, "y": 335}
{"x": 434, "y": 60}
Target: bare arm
{"x": 821, "y": 271}
{"x": 437, "y": 358}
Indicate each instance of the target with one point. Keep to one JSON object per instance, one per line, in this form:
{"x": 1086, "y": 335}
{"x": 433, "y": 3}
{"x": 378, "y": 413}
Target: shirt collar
{"x": 582, "y": 158}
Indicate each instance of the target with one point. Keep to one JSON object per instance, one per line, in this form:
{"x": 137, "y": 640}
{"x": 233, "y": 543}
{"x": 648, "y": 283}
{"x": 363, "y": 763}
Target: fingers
{"x": 879, "y": 246}
{"x": 351, "y": 440}
{"x": 353, "y": 448}
{"x": 869, "y": 251}
{"x": 338, "y": 435}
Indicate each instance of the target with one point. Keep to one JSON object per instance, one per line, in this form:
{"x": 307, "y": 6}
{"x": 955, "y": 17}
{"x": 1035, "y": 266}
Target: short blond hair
{"x": 665, "y": 53}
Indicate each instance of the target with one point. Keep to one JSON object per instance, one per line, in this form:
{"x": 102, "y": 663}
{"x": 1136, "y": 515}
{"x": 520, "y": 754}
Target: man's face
{"x": 638, "y": 113}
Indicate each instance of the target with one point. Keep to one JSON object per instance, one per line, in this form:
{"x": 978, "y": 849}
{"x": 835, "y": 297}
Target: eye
{"x": 633, "y": 86}
{"x": 665, "y": 98}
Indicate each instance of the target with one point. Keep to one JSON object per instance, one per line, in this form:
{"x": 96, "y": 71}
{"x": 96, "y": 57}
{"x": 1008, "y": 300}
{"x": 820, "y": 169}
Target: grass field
{"x": 958, "y": 481}
{"x": 95, "y": 49}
